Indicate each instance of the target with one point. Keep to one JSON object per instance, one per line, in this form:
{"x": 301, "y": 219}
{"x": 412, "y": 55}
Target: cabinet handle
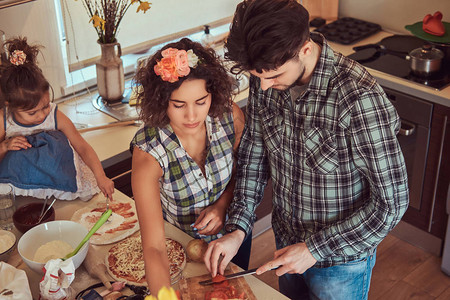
{"x": 438, "y": 169}
{"x": 407, "y": 131}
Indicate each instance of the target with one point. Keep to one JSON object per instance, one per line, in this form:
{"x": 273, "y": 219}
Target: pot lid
{"x": 417, "y": 30}
{"x": 427, "y": 52}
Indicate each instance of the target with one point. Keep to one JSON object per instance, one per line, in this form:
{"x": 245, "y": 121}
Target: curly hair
{"x": 265, "y": 34}
{"x": 153, "y": 93}
{"x": 22, "y": 86}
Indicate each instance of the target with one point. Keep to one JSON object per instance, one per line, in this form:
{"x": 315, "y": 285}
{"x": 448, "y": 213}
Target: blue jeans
{"x": 347, "y": 281}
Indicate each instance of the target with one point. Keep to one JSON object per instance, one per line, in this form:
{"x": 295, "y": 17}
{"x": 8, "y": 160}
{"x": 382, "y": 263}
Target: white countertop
{"x": 112, "y": 144}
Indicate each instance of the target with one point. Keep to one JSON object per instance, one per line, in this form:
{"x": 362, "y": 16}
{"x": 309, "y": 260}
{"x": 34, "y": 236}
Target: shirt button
{"x": 200, "y": 175}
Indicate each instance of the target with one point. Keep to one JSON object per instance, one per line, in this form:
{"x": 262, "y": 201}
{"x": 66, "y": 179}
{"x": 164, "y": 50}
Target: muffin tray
{"x": 348, "y": 30}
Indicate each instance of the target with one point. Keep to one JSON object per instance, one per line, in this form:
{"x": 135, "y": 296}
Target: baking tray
{"x": 348, "y": 30}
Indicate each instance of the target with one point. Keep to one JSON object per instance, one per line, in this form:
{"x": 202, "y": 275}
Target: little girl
{"x": 41, "y": 152}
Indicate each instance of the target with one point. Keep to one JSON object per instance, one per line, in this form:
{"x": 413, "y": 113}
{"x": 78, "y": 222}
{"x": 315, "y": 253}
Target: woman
{"x": 183, "y": 154}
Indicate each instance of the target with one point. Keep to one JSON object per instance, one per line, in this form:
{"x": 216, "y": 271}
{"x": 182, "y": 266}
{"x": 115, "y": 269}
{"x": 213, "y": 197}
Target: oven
{"x": 414, "y": 137}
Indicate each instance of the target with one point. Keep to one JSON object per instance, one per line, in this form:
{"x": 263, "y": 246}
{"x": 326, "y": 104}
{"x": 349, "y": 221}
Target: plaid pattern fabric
{"x": 183, "y": 188}
{"x": 338, "y": 173}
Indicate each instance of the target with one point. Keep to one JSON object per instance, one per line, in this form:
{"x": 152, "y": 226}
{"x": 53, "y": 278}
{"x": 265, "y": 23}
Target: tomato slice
{"x": 218, "y": 278}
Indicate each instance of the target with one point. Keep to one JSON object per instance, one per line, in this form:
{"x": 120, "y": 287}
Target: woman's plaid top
{"x": 184, "y": 190}
{"x": 338, "y": 174}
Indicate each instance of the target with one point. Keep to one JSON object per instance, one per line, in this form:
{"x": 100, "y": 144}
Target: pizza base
{"x": 131, "y": 249}
{"x": 124, "y": 214}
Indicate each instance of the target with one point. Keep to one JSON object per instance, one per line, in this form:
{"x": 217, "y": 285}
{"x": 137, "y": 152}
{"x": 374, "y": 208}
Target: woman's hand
{"x": 15, "y": 143}
{"x": 211, "y": 219}
{"x": 106, "y": 185}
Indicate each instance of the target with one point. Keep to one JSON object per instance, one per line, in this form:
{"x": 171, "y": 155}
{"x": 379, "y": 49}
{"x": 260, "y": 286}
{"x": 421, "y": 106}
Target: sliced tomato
{"x": 218, "y": 278}
{"x": 219, "y": 295}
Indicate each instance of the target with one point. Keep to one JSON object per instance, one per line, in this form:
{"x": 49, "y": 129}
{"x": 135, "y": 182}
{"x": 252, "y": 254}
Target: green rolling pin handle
{"x": 94, "y": 228}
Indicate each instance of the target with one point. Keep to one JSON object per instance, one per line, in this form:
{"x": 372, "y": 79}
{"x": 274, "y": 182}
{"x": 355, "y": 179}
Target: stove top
{"x": 397, "y": 66}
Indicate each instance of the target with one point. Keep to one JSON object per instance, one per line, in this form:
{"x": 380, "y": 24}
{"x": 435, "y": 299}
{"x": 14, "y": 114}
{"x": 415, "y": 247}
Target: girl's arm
{"x": 12, "y": 144}
{"x": 213, "y": 217}
{"x": 145, "y": 176}
{"x": 86, "y": 152}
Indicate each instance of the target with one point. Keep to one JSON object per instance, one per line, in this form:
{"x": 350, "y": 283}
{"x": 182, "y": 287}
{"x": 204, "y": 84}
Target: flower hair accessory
{"x": 18, "y": 57}
{"x": 175, "y": 63}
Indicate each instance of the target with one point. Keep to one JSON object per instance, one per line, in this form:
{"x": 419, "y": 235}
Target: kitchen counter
{"x": 112, "y": 144}
{"x": 64, "y": 211}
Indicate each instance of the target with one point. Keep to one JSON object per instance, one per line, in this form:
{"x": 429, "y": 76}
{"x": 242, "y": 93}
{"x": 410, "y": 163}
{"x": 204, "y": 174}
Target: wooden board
{"x": 191, "y": 290}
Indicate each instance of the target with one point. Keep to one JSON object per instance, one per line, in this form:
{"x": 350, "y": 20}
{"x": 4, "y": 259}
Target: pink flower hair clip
{"x": 175, "y": 63}
{"x": 18, "y": 57}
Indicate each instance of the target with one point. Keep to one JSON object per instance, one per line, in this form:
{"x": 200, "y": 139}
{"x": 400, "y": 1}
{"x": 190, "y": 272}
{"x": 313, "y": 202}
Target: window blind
{"x": 166, "y": 20}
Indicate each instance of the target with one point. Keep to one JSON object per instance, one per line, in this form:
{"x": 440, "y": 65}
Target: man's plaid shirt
{"x": 338, "y": 174}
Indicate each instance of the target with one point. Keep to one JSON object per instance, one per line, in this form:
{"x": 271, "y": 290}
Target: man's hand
{"x": 294, "y": 259}
{"x": 224, "y": 248}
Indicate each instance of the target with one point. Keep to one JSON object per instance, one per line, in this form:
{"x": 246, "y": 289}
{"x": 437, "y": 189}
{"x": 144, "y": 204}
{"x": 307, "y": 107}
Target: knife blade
{"x": 232, "y": 276}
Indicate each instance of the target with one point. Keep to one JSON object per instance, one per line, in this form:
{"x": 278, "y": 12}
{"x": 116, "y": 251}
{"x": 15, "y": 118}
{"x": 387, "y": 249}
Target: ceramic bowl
{"x": 26, "y": 216}
{"x": 7, "y": 244}
{"x": 67, "y": 231}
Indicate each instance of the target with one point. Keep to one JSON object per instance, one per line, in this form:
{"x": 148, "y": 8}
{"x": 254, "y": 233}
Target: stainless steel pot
{"x": 425, "y": 61}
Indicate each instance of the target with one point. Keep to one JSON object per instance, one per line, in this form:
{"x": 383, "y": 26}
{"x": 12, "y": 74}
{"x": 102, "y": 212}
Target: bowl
{"x": 26, "y": 216}
{"x": 7, "y": 244}
{"x": 67, "y": 231}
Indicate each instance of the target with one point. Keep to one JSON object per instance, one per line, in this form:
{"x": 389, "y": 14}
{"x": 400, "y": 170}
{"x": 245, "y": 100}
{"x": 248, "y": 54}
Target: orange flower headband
{"x": 175, "y": 63}
{"x": 18, "y": 57}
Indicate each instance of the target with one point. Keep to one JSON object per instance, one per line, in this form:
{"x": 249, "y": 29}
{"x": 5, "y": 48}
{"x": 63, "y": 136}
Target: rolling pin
{"x": 96, "y": 267}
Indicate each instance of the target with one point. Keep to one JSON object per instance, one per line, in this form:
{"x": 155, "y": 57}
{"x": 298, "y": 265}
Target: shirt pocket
{"x": 321, "y": 151}
{"x": 273, "y": 128}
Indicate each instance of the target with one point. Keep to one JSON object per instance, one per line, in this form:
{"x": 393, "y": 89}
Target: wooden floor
{"x": 402, "y": 271}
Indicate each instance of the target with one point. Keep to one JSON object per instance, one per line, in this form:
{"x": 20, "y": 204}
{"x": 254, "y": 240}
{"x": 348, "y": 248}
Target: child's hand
{"x": 106, "y": 185}
{"x": 16, "y": 143}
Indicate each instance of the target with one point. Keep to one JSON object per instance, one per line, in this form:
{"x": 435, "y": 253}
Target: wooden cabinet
{"x": 431, "y": 215}
{"x": 120, "y": 173}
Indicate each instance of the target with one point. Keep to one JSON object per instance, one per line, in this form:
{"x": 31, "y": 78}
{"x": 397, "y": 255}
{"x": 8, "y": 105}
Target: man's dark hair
{"x": 265, "y": 34}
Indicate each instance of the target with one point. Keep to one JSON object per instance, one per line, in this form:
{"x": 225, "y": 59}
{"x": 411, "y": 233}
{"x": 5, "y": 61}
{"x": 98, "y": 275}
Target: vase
{"x": 110, "y": 75}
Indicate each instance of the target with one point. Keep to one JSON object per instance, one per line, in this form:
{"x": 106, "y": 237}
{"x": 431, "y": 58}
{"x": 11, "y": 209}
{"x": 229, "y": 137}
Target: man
{"x": 323, "y": 130}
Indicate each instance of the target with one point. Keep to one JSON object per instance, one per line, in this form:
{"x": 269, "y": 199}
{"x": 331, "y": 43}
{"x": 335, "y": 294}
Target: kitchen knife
{"x": 232, "y": 276}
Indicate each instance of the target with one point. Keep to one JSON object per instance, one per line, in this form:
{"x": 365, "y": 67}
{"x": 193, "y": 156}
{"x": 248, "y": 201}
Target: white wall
{"x": 393, "y": 15}
{"x": 37, "y": 21}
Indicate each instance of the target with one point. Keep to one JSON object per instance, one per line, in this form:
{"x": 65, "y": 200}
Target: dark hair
{"x": 265, "y": 34}
{"x": 153, "y": 93}
{"x": 22, "y": 86}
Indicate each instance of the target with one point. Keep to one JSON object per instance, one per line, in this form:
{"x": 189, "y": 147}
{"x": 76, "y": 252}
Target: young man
{"x": 323, "y": 130}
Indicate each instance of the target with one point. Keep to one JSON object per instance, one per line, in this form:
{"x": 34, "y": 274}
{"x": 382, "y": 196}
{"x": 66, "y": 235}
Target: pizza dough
{"x": 125, "y": 260}
{"x": 122, "y": 223}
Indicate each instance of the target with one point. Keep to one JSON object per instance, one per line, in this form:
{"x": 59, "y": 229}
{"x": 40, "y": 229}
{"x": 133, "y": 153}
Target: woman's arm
{"x": 213, "y": 217}
{"x": 145, "y": 176}
{"x": 86, "y": 152}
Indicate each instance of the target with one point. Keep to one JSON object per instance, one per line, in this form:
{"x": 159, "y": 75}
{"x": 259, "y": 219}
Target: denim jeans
{"x": 349, "y": 281}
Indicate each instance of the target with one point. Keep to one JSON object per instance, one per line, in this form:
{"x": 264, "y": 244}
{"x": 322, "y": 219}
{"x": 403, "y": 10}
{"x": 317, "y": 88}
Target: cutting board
{"x": 191, "y": 290}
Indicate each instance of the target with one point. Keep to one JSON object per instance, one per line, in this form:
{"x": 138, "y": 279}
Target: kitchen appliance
{"x": 397, "y": 66}
{"x": 348, "y": 30}
{"x": 424, "y": 62}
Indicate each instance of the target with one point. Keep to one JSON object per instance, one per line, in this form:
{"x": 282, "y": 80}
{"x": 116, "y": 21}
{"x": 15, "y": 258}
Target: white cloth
{"x": 58, "y": 276}
{"x": 15, "y": 281}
